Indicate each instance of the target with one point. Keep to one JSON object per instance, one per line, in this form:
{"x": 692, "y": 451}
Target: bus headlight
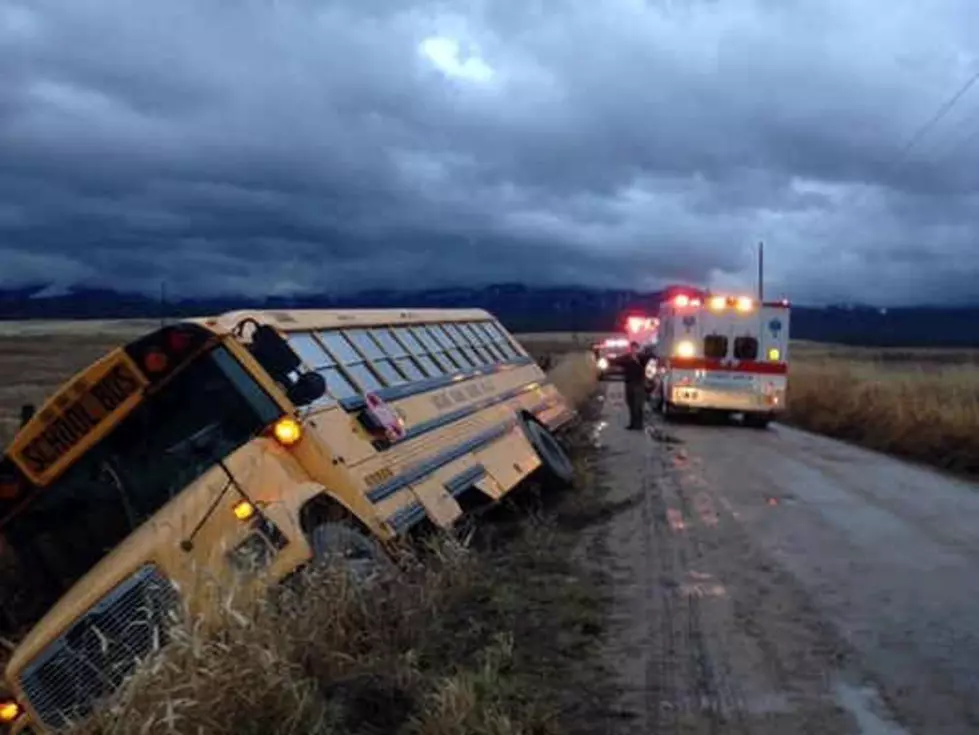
{"x": 9, "y": 711}
{"x": 602, "y": 363}
{"x": 259, "y": 547}
{"x": 685, "y": 349}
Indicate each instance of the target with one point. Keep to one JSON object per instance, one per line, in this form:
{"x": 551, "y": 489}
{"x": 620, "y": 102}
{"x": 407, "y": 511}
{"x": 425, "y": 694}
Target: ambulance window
{"x": 715, "y": 346}
{"x": 745, "y": 348}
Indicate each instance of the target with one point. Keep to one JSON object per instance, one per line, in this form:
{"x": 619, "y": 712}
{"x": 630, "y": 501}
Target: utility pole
{"x": 761, "y": 271}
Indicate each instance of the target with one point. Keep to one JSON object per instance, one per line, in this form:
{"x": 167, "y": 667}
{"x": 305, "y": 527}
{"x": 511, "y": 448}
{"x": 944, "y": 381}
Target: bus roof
{"x": 291, "y": 320}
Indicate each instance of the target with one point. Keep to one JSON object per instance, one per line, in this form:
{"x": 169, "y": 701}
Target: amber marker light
{"x": 244, "y": 510}
{"x": 9, "y": 712}
{"x": 287, "y": 431}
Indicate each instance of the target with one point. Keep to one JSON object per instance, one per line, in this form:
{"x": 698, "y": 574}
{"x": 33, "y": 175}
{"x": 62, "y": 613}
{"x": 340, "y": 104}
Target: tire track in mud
{"x": 693, "y": 684}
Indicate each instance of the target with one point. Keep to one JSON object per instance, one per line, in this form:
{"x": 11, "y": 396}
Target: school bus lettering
{"x": 376, "y": 478}
{"x": 453, "y": 396}
{"x": 115, "y": 388}
{"x": 66, "y": 430}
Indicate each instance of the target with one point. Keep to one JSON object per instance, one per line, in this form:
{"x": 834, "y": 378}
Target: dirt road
{"x": 778, "y": 582}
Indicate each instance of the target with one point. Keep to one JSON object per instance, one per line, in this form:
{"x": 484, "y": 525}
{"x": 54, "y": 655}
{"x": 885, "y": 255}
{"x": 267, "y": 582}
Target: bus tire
{"x": 340, "y": 544}
{"x": 757, "y": 420}
{"x": 556, "y": 468}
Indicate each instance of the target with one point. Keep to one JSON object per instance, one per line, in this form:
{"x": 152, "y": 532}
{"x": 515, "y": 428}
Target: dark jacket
{"x": 633, "y": 367}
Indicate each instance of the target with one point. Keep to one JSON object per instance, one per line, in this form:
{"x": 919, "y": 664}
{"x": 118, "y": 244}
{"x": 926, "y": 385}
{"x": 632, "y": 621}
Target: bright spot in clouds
{"x": 447, "y": 56}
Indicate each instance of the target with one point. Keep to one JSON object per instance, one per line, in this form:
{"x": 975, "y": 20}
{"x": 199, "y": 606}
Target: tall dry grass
{"x": 927, "y": 410}
{"x": 484, "y": 638}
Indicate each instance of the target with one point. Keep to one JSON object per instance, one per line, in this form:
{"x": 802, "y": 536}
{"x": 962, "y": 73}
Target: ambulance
{"x": 639, "y": 328}
{"x": 721, "y": 354}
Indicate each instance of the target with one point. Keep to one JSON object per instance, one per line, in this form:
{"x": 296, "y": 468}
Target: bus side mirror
{"x": 307, "y": 388}
{"x": 274, "y": 353}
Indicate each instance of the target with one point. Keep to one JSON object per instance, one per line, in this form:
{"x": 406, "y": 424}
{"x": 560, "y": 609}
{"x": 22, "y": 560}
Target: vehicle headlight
{"x": 685, "y": 349}
{"x": 602, "y": 363}
{"x": 259, "y": 547}
{"x": 9, "y": 711}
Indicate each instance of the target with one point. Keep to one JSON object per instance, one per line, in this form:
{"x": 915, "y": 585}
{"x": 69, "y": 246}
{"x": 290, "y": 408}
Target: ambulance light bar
{"x": 638, "y": 323}
{"x": 717, "y": 303}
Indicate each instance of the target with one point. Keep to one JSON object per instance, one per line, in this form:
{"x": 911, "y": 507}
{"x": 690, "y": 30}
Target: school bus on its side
{"x": 239, "y": 449}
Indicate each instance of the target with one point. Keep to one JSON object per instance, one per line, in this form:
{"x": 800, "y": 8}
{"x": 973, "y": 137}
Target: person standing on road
{"x": 633, "y": 365}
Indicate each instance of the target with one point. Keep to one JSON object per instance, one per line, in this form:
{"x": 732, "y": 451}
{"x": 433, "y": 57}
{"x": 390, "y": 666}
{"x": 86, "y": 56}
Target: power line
{"x": 939, "y": 115}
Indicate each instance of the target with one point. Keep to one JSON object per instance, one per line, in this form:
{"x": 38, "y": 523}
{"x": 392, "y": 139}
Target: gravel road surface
{"x": 772, "y": 581}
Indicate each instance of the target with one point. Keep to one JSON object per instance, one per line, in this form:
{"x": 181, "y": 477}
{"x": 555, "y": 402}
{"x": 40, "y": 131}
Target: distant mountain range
{"x": 521, "y": 308}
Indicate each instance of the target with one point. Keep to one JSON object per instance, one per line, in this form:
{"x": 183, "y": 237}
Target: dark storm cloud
{"x": 271, "y": 146}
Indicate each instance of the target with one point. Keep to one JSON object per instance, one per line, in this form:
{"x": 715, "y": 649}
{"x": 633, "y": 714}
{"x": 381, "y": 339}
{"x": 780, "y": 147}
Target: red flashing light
{"x": 155, "y": 361}
{"x": 695, "y": 302}
{"x": 178, "y": 341}
{"x": 682, "y": 300}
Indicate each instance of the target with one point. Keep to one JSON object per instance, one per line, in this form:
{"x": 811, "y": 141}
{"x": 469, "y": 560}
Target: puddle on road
{"x": 866, "y": 706}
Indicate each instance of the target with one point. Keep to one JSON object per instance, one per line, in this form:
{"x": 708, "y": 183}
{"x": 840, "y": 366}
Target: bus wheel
{"x": 757, "y": 420}
{"x": 556, "y": 466}
{"x": 338, "y": 544}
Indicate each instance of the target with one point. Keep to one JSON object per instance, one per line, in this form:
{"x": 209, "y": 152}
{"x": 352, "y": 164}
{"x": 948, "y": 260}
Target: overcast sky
{"x": 274, "y": 146}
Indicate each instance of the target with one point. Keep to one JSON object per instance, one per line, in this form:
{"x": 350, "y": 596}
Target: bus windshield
{"x": 149, "y": 457}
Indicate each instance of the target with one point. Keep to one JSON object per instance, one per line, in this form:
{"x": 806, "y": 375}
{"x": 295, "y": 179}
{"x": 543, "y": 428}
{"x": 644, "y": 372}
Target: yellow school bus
{"x": 238, "y": 449}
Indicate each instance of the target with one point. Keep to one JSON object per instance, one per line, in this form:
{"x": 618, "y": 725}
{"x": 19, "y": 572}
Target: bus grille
{"x": 93, "y": 657}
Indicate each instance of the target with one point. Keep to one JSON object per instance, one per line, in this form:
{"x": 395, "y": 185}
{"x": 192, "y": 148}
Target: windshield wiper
{"x": 106, "y": 469}
{"x": 204, "y": 443}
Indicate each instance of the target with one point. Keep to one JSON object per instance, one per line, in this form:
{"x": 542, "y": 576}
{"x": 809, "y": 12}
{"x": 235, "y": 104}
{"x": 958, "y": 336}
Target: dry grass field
{"x": 918, "y": 403}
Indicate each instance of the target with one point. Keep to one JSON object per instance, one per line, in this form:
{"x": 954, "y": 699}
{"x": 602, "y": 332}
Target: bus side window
{"x": 437, "y": 353}
{"x": 415, "y": 347}
{"x": 354, "y": 364}
{"x": 396, "y": 351}
{"x": 463, "y": 343}
{"x": 715, "y": 346}
{"x": 375, "y": 355}
{"x": 745, "y": 348}
{"x": 500, "y": 339}
{"x": 476, "y": 343}
{"x": 438, "y": 331}
{"x": 483, "y": 344}
{"x": 315, "y": 358}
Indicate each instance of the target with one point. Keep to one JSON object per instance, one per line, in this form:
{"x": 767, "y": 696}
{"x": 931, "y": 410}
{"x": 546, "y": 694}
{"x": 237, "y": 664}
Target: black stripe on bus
{"x": 404, "y": 518}
{"x": 465, "y": 480}
{"x": 396, "y": 392}
{"x": 439, "y": 421}
{"x": 429, "y": 466}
